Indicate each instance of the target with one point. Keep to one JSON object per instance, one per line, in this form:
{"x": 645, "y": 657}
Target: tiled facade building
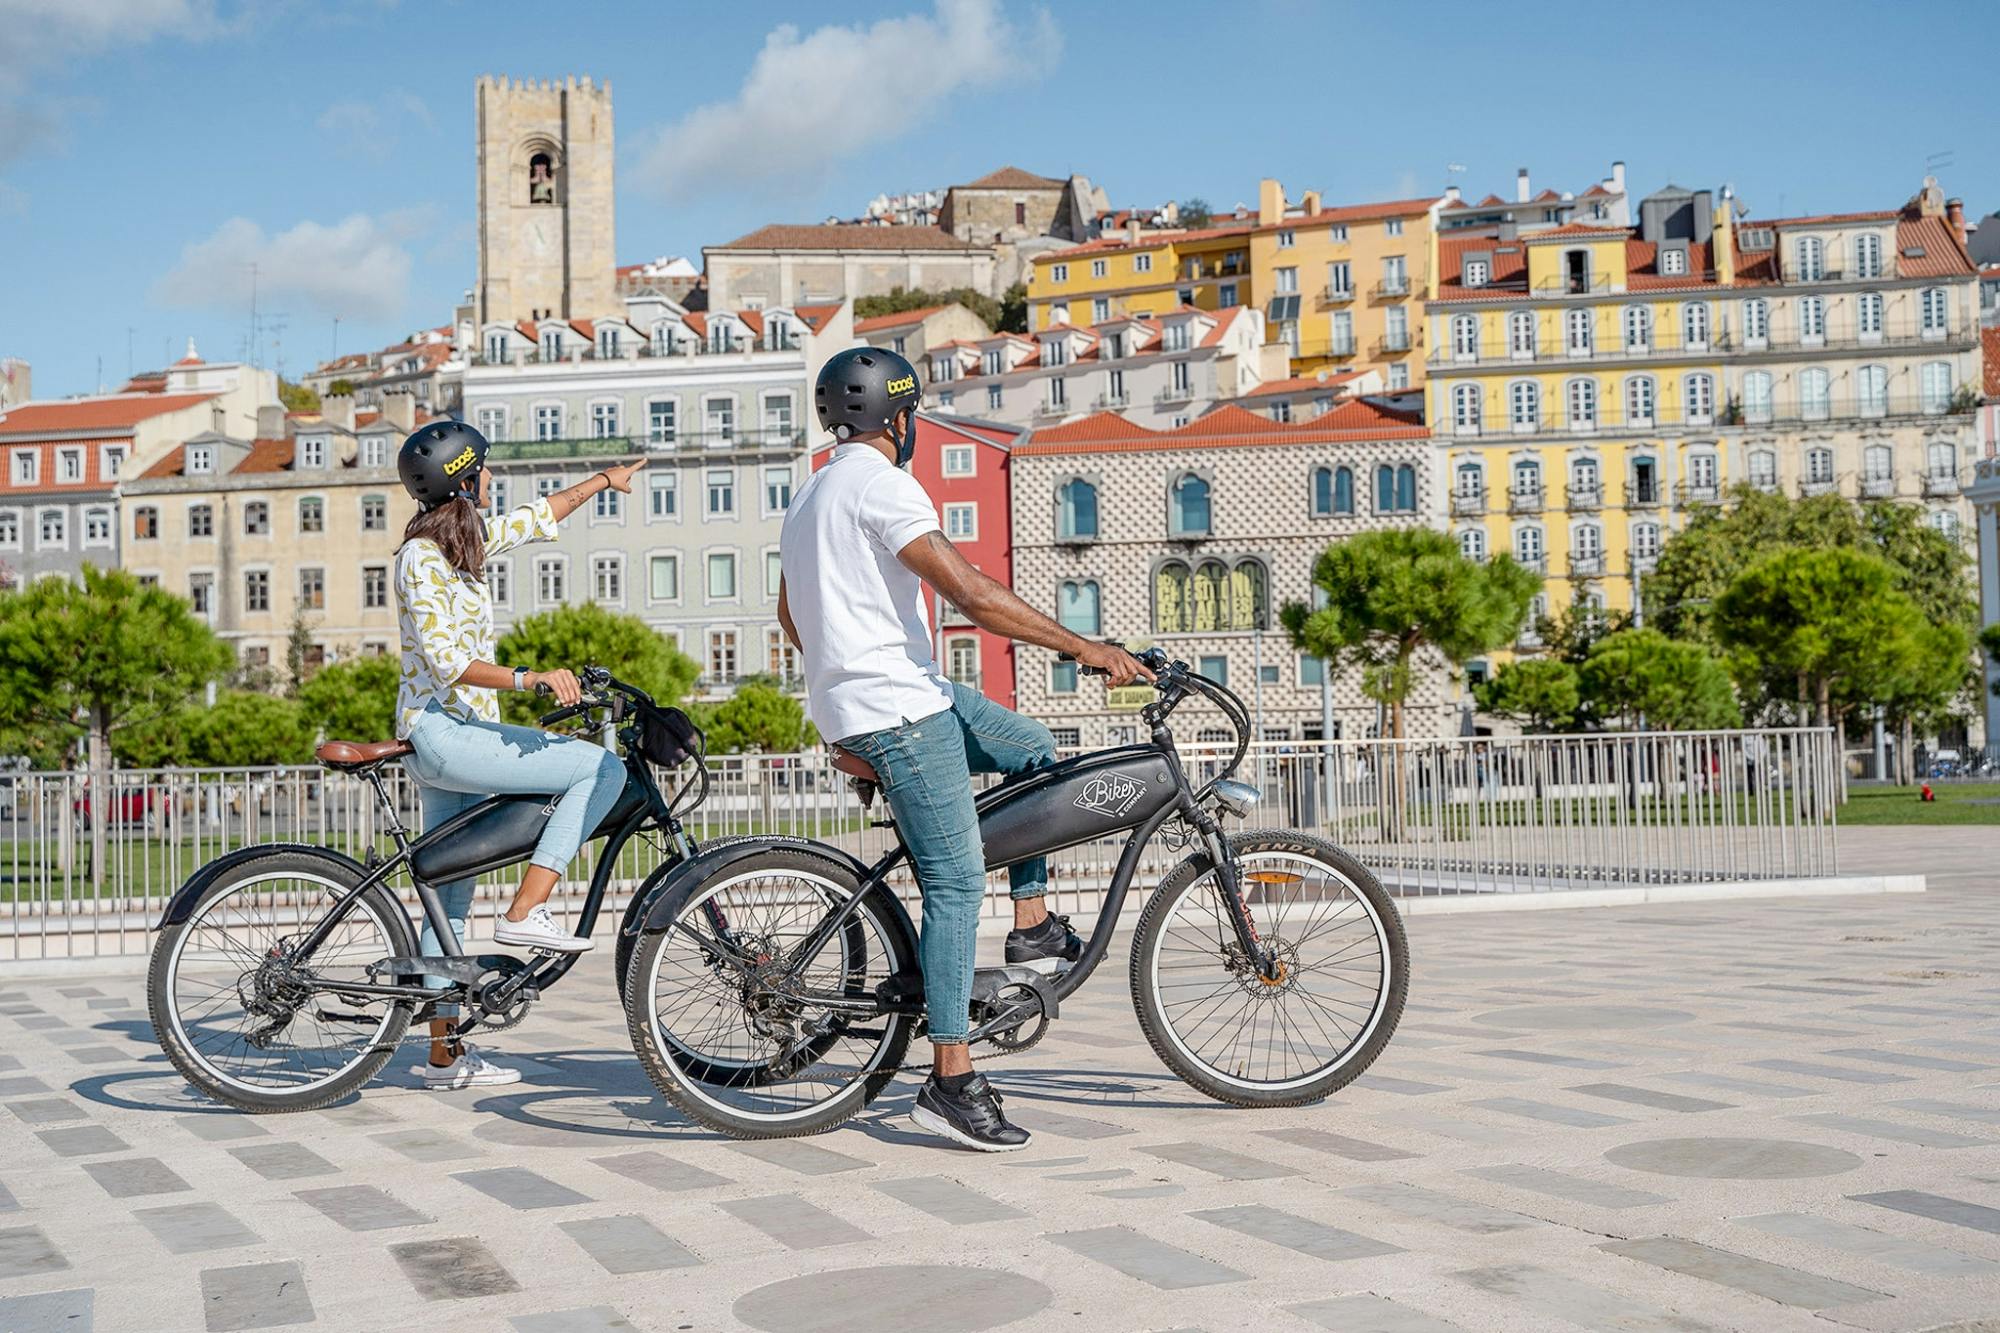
{"x": 1590, "y": 384}
{"x": 1163, "y": 370}
{"x": 298, "y": 520}
{"x": 1193, "y": 538}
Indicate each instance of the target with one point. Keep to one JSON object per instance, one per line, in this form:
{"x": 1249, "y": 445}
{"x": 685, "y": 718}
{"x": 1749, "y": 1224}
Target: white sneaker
{"x": 470, "y": 1070}
{"x": 539, "y": 930}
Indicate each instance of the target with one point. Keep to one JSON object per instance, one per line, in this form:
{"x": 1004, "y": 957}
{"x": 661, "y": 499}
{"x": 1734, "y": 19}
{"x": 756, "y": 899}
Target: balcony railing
{"x": 1538, "y": 564}
{"x": 1642, "y": 495}
{"x": 1331, "y": 348}
{"x": 1811, "y": 486}
{"x": 1669, "y": 345}
{"x": 1574, "y": 284}
{"x": 1390, "y": 288}
{"x": 1585, "y": 496}
{"x": 1330, "y": 296}
{"x": 1878, "y": 487}
{"x": 1051, "y": 408}
{"x": 1170, "y": 394}
{"x": 1390, "y": 344}
{"x": 1111, "y": 402}
{"x": 1468, "y": 504}
{"x": 612, "y": 446}
{"x": 1698, "y": 493}
{"x": 1768, "y": 485}
{"x": 1614, "y": 416}
{"x": 1940, "y": 485}
{"x": 636, "y": 350}
{"x": 1586, "y": 566}
{"x": 1524, "y": 499}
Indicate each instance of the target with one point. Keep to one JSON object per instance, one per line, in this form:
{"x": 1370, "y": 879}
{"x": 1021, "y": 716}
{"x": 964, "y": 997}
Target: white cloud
{"x": 38, "y": 34}
{"x": 811, "y": 101}
{"x": 364, "y": 127}
{"x": 357, "y": 267}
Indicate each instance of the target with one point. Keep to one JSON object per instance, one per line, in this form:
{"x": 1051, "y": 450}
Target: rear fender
{"x": 181, "y": 906}
{"x": 717, "y": 858}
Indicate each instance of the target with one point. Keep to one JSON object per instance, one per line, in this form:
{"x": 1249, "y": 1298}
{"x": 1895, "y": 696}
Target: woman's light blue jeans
{"x": 926, "y": 771}
{"x": 458, "y": 764}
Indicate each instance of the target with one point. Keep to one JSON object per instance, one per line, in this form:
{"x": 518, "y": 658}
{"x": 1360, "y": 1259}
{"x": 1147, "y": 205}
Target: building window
{"x": 1524, "y": 405}
{"x": 958, "y": 460}
{"x": 1941, "y": 462}
{"x": 1225, "y": 295}
{"x": 1097, "y": 268}
{"x": 1819, "y": 466}
{"x": 201, "y": 594}
{"x": 1812, "y": 319}
{"x": 722, "y": 576}
{"x": 1583, "y": 404}
{"x": 1698, "y": 396}
{"x": 1646, "y": 540}
{"x": 1142, "y": 263}
{"x": 145, "y": 523}
{"x": 1212, "y": 597}
{"x": 719, "y": 418}
{"x": 1815, "y": 397}
{"x": 1477, "y": 272}
{"x": 1395, "y": 489}
{"x": 549, "y": 580}
{"x": 312, "y": 589}
{"x": 500, "y": 581}
{"x": 774, "y": 572}
{"x": 1756, "y": 320}
{"x": 374, "y": 587}
{"x": 1215, "y": 667}
{"x": 1763, "y": 469}
{"x": 1809, "y": 259}
{"x": 1465, "y": 337}
{"x": 312, "y": 514}
{"x": 1936, "y": 383}
{"x": 607, "y": 579}
{"x": 1062, "y": 677}
{"x": 1579, "y": 337}
{"x": 777, "y": 490}
{"x": 663, "y": 578}
{"x": 992, "y": 398}
{"x": 1340, "y": 278}
{"x": 721, "y": 492}
{"x": 1757, "y": 396}
{"x": 1395, "y": 275}
{"x": 1871, "y": 391}
{"x": 946, "y": 399}
{"x": 1521, "y": 335}
{"x": 1077, "y": 607}
{"x": 961, "y": 522}
{"x": 257, "y": 518}
{"x": 493, "y": 422}
{"x": 1528, "y": 546}
{"x": 778, "y": 416}
{"x": 201, "y": 520}
{"x": 1465, "y": 409}
{"x": 111, "y": 463}
{"x": 1639, "y": 400}
{"x": 1281, "y": 410}
{"x": 1076, "y": 510}
{"x": 663, "y": 495}
{"x": 1673, "y": 263}
{"x": 312, "y": 452}
{"x": 662, "y": 422}
{"x": 721, "y": 656}
{"x": 603, "y": 421}
{"x": 1935, "y": 312}
{"x": 1694, "y": 324}
{"x": 1058, "y": 393}
{"x": 257, "y": 590}
{"x": 374, "y": 513}
{"x": 607, "y": 342}
{"x": 1393, "y": 227}
{"x": 69, "y": 465}
{"x": 1878, "y": 464}
{"x": 1868, "y": 315}
{"x": 607, "y": 506}
{"x": 496, "y": 350}
{"x": 552, "y": 345}
{"x": 1180, "y": 378}
{"x": 200, "y": 459}
{"x": 1638, "y": 324}
{"x": 1188, "y": 507}
{"x": 1867, "y": 256}
{"x": 1327, "y": 492}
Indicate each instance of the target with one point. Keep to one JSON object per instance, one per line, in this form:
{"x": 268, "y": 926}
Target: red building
{"x": 963, "y": 465}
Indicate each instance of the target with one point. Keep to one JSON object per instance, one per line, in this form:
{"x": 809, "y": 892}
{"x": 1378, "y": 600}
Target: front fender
{"x": 181, "y": 906}
{"x": 719, "y": 856}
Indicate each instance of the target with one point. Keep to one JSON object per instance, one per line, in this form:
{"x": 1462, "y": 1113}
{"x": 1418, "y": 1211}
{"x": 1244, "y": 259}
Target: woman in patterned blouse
{"x": 448, "y": 709}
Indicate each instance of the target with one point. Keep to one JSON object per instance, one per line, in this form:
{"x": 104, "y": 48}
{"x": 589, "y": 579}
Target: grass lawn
{"x": 1956, "y": 803}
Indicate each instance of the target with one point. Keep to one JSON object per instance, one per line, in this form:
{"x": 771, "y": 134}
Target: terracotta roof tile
{"x": 1013, "y": 178}
{"x": 111, "y": 413}
{"x": 1390, "y": 208}
{"x": 1569, "y": 230}
{"x": 1226, "y": 427}
{"x": 784, "y": 236}
{"x": 1823, "y": 219}
{"x": 1944, "y": 252}
{"x": 901, "y": 319}
{"x": 816, "y": 316}
{"x": 1305, "y": 384}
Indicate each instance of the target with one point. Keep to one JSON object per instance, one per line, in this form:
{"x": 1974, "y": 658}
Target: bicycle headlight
{"x": 1238, "y": 798}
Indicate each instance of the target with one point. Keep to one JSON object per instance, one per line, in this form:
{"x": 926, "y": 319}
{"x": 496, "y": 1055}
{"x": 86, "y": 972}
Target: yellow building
{"x": 1138, "y": 273}
{"x": 1343, "y": 286}
{"x": 1575, "y": 384}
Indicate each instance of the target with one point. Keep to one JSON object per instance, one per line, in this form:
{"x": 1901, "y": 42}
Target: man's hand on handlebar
{"x": 1112, "y": 662}
{"x": 562, "y": 684}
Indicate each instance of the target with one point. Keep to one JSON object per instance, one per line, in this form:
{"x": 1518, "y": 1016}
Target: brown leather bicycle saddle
{"x": 359, "y": 754}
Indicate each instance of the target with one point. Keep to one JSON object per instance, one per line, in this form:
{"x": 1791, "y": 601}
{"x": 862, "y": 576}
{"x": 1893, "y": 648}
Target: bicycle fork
{"x": 1229, "y": 883}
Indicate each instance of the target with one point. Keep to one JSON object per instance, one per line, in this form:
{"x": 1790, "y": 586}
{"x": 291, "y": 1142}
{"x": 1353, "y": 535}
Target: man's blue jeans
{"x": 926, "y": 771}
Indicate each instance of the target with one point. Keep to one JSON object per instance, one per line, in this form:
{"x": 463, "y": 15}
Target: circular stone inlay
{"x": 1733, "y": 1159}
{"x": 1581, "y": 1017}
{"x": 935, "y": 1297}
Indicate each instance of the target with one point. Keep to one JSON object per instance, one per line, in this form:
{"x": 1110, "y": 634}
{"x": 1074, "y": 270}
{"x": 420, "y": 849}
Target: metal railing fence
{"x": 1432, "y": 817}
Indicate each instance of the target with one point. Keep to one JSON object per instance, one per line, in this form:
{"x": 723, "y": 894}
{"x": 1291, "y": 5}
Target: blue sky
{"x": 150, "y": 150}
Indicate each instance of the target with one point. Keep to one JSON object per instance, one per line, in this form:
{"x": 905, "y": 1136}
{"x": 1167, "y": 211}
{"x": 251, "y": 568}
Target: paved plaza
{"x": 1749, "y": 1115}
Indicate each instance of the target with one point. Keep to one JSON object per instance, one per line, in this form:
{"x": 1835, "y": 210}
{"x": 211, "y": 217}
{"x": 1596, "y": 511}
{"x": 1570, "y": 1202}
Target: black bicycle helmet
{"x": 862, "y": 389}
{"x": 441, "y": 462}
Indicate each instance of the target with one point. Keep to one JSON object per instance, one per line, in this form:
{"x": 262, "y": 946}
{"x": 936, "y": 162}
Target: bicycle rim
{"x": 212, "y": 987}
{"x": 702, "y": 1011}
{"x": 1332, "y": 991}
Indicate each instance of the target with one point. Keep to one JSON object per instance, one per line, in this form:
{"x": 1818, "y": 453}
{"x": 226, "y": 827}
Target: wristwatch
{"x": 520, "y": 678}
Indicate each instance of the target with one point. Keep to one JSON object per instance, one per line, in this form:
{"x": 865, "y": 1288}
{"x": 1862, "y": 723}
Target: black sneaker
{"x": 972, "y": 1117}
{"x": 1046, "y": 947}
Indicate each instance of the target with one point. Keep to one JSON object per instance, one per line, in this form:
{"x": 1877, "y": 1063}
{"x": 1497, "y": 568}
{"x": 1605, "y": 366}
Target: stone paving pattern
{"x": 1768, "y": 1116}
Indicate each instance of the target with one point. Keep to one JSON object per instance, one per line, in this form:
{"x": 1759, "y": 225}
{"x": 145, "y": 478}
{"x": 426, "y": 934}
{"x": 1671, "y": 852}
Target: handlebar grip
{"x": 561, "y": 715}
{"x": 543, "y": 687}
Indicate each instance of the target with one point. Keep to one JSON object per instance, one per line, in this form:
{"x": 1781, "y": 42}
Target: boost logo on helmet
{"x": 907, "y": 384}
{"x": 457, "y": 465}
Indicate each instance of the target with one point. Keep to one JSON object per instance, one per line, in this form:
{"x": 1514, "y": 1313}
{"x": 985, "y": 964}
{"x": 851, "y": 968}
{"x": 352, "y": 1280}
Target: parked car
{"x": 1945, "y": 764}
{"x": 150, "y": 807}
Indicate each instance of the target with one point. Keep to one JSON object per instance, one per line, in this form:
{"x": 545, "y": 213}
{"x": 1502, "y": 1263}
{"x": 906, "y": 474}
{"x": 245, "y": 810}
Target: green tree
{"x": 1674, "y": 685}
{"x": 901, "y": 300}
{"x": 1542, "y": 692}
{"x": 297, "y": 397}
{"x": 249, "y": 730}
{"x": 353, "y": 700}
{"x": 1397, "y": 596}
{"x": 298, "y": 650}
{"x": 588, "y": 635}
{"x": 1989, "y": 639}
{"x": 1013, "y": 310}
{"x": 1195, "y": 212}
{"x": 758, "y": 717}
{"x": 89, "y": 661}
{"x": 340, "y": 387}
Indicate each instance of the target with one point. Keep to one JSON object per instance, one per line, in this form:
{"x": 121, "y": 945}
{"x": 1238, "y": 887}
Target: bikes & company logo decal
{"x": 1110, "y": 796}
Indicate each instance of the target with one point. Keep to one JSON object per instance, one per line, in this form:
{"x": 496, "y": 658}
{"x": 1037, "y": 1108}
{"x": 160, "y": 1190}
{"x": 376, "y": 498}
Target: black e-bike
{"x": 284, "y": 975}
{"x": 772, "y": 985}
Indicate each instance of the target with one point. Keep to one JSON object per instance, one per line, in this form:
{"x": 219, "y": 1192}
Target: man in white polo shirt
{"x": 860, "y": 540}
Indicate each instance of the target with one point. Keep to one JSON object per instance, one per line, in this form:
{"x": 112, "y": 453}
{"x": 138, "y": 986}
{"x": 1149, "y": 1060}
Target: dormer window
{"x": 1673, "y": 263}
{"x": 1055, "y": 352}
{"x": 607, "y": 342}
{"x": 1175, "y": 338}
{"x": 551, "y": 345}
{"x": 496, "y": 347}
{"x": 992, "y": 362}
{"x": 1478, "y": 272}
{"x": 312, "y": 452}
{"x": 200, "y": 458}
{"x": 374, "y": 450}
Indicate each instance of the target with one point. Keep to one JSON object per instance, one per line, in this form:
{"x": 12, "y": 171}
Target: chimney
{"x": 1617, "y": 182}
{"x": 337, "y": 409}
{"x": 1521, "y": 195}
{"x": 1270, "y": 203}
{"x": 399, "y": 409}
{"x": 1310, "y": 203}
{"x": 1451, "y": 195}
{"x": 271, "y": 421}
{"x": 1954, "y": 213}
{"x": 1132, "y": 229}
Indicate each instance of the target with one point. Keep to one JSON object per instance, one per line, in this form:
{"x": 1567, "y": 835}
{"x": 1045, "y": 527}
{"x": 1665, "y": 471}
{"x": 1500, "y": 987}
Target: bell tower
{"x": 545, "y": 200}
